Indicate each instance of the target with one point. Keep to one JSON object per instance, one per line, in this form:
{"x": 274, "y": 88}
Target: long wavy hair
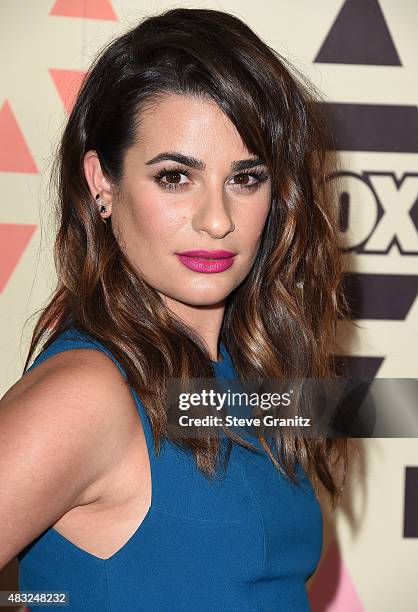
{"x": 281, "y": 320}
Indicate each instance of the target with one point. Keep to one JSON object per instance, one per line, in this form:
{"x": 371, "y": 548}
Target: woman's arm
{"x": 58, "y": 437}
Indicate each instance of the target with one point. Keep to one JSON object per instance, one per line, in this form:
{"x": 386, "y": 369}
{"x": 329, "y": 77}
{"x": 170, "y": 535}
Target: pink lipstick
{"x": 208, "y": 262}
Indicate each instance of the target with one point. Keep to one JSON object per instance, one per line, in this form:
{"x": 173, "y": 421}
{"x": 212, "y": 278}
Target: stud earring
{"x": 102, "y": 208}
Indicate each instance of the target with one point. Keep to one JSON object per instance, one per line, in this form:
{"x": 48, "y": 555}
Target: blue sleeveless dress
{"x": 244, "y": 542}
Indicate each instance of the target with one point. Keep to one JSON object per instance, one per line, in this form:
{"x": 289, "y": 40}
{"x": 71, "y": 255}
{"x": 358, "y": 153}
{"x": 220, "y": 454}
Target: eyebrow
{"x": 198, "y": 164}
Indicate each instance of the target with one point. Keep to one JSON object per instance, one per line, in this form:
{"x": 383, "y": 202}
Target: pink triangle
{"x": 14, "y": 152}
{"x": 68, "y": 83}
{"x": 87, "y": 9}
{"x": 14, "y": 239}
{"x": 332, "y": 589}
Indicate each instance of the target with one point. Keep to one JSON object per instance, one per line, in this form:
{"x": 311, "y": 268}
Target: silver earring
{"x": 102, "y": 208}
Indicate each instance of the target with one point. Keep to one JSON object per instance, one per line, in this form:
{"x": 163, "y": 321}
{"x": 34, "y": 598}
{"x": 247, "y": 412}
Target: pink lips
{"x": 208, "y": 262}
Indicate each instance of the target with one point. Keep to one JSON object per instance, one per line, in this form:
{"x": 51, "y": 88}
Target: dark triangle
{"x": 359, "y": 35}
{"x": 357, "y": 366}
{"x": 410, "y": 522}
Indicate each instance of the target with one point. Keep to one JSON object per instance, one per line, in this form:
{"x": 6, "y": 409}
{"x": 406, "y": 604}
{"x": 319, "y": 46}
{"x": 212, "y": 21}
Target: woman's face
{"x": 166, "y": 207}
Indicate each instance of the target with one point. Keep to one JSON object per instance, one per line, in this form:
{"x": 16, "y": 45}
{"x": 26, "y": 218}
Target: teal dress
{"x": 246, "y": 541}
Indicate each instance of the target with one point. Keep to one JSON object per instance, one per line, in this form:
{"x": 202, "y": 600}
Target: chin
{"x": 202, "y": 297}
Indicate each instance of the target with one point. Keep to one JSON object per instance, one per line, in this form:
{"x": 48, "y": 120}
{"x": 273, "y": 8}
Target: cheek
{"x": 154, "y": 220}
{"x": 254, "y": 220}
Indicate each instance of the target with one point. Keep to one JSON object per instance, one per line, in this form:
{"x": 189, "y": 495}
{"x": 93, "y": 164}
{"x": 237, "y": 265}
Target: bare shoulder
{"x": 81, "y": 387}
{"x": 72, "y": 368}
{"x": 63, "y": 426}
{"x": 77, "y": 391}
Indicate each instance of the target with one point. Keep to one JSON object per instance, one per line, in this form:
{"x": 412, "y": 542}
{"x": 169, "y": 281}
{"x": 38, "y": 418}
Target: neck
{"x": 206, "y": 321}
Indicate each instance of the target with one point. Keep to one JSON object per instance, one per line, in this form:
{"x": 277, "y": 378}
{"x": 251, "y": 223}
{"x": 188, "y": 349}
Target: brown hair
{"x": 281, "y": 320}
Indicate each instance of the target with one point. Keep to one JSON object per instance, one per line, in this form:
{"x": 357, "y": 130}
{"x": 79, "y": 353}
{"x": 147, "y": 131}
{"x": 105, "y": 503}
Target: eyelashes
{"x": 260, "y": 175}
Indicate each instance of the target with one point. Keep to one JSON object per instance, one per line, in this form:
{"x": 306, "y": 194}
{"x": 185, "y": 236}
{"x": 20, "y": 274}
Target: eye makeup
{"x": 259, "y": 175}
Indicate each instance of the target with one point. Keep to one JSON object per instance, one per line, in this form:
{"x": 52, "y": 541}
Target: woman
{"x": 189, "y": 134}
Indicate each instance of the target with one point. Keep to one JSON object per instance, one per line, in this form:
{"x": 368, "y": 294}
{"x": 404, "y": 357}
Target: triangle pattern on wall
{"x": 14, "y": 238}
{"x": 359, "y": 35}
{"x": 86, "y": 9}
{"x": 332, "y": 588}
{"x": 68, "y": 83}
{"x": 14, "y": 152}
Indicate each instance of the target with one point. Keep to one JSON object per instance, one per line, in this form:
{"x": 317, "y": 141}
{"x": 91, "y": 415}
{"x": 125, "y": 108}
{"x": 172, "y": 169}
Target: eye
{"x": 172, "y": 178}
{"x": 244, "y": 177}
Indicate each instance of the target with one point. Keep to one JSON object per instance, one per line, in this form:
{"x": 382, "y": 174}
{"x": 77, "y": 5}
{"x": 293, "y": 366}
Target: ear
{"x": 97, "y": 182}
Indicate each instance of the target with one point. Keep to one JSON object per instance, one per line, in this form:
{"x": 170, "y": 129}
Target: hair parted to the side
{"x": 281, "y": 320}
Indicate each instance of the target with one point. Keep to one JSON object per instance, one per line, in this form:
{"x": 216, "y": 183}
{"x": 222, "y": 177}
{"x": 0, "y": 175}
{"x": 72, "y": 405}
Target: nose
{"x": 213, "y": 215}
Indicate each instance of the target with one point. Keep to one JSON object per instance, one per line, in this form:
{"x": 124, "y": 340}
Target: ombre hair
{"x": 281, "y": 320}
